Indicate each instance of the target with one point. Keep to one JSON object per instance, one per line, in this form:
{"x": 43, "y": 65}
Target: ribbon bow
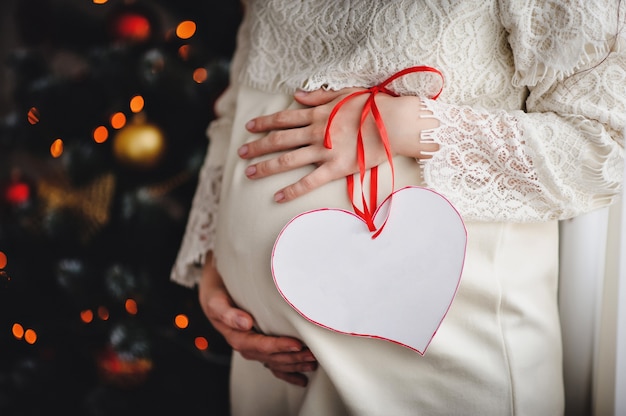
{"x": 367, "y": 213}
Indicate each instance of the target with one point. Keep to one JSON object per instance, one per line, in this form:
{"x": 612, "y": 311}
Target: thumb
{"x": 221, "y": 307}
{"x": 238, "y": 319}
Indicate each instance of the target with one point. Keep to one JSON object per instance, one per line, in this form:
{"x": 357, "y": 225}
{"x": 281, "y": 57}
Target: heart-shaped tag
{"x": 397, "y": 286}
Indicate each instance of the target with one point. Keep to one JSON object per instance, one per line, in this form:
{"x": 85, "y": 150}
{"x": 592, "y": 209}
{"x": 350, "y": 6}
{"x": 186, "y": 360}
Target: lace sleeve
{"x": 199, "y": 236}
{"x": 561, "y": 157}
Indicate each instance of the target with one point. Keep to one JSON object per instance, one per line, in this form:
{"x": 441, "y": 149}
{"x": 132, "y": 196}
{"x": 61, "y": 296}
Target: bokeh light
{"x": 100, "y": 134}
{"x": 200, "y": 75}
{"x": 18, "y": 331}
{"x": 3, "y": 260}
{"x": 118, "y": 120}
{"x": 30, "y": 336}
{"x": 56, "y": 149}
{"x": 181, "y": 321}
{"x": 186, "y": 29}
{"x": 131, "y": 306}
{"x": 17, "y": 193}
{"x": 184, "y": 51}
{"x": 201, "y": 343}
{"x": 33, "y": 116}
{"x": 103, "y": 313}
{"x": 136, "y": 104}
{"x": 133, "y": 27}
{"x": 86, "y": 316}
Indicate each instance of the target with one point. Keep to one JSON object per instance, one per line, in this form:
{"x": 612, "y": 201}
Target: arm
{"x": 199, "y": 234}
{"x": 286, "y": 357}
{"x": 563, "y": 155}
{"x": 557, "y": 158}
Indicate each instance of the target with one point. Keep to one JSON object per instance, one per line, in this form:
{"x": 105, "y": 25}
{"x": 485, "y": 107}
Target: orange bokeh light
{"x": 186, "y": 29}
{"x": 100, "y": 1}
{"x": 30, "y": 336}
{"x": 18, "y": 331}
{"x": 118, "y": 120}
{"x": 100, "y": 134}
{"x": 183, "y": 52}
{"x": 56, "y": 149}
{"x": 201, "y": 343}
{"x": 33, "y": 115}
{"x": 200, "y": 75}
{"x": 181, "y": 321}
{"x": 136, "y": 103}
{"x": 103, "y": 313}
{"x": 131, "y": 306}
{"x": 86, "y": 316}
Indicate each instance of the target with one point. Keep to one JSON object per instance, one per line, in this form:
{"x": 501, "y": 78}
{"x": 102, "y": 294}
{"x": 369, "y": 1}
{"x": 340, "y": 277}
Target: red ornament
{"x": 17, "y": 193}
{"x": 132, "y": 26}
{"x": 121, "y": 371}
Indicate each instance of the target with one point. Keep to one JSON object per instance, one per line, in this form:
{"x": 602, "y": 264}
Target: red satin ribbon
{"x": 367, "y": 214}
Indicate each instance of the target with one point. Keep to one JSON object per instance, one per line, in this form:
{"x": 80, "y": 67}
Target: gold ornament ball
{"x": 140, "y": 145}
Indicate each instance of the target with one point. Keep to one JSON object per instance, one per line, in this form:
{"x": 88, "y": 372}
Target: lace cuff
{"x": 199, "y": 235}
{"x": 514, "y": 166}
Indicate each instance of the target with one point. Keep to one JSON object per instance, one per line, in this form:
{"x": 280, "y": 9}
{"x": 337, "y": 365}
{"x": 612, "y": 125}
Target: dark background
{"x": 92, "y": 227}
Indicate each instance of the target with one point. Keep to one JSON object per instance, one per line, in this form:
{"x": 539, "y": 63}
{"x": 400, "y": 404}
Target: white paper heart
{"x": 398, "y": 286}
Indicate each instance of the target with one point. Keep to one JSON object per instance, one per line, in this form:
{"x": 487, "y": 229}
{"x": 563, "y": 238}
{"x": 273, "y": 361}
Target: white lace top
{"x": 532, "y": 113}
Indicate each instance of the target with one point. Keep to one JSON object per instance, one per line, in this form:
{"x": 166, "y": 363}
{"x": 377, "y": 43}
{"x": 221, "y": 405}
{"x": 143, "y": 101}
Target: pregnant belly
{"x": 249, "y": 223}
{"x": 250, "y": 217}
{"x": 250, "y": 220}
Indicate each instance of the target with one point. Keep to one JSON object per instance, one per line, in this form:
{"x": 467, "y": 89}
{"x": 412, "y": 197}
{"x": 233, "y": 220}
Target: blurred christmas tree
{"x": 98, "y": 161}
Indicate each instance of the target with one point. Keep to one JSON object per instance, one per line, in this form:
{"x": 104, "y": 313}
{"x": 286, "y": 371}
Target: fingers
{"x": 306, "y": 184}
{"x": 286, "y": 119}
{"x": 291, "y": 160}
{"x": 285, "y": 162}
{"x": 278, "y": 353}
{"x": 286, "y": 357}
{"x": 288, "y": 361}
{"x": 297, "y": 379}
{"x": 280, "y": 140}
{"x": 299, "y": 366}
{"x": 253, "y": 344}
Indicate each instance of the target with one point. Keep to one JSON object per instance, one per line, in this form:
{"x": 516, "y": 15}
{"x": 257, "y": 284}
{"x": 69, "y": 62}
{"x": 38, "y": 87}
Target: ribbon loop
{"x": 369, "y": 208}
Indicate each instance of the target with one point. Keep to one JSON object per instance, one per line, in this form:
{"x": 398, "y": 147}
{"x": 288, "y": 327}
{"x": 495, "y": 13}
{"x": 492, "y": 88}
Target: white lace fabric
{"x": 532, "y": 114}
{"x": 199, "y": 237}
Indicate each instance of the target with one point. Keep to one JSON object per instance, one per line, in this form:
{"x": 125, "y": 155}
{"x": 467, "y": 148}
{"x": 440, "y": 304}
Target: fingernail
{"x": 250, "y": 124}
{"x": 295, "y": 349}
{"x": 279, "y": 197}
{"x": 243, "y": 150}
{"x": 250, "y": 170}
{"x": 301, "y": 93}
